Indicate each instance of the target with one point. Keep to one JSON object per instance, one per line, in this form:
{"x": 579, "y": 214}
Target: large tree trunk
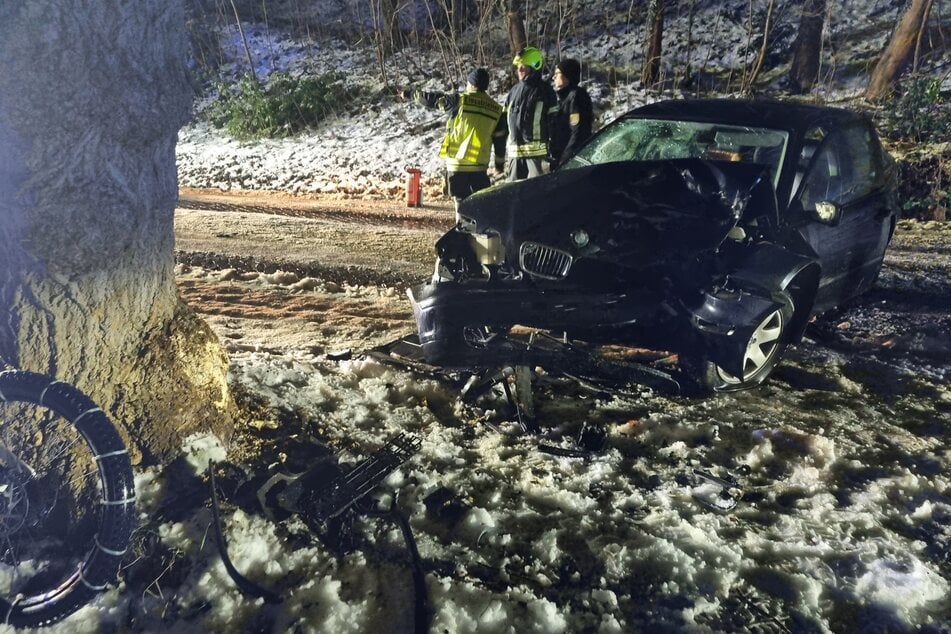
{"x": 92, "y": 93}
{"x": 804, "y": 71}
{"x": 899, "y": 50}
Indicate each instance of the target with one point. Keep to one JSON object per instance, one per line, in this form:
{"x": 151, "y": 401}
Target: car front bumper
{"x": 444, "y": 311}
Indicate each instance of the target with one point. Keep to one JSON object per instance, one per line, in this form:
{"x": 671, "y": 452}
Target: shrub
{"x": 284, "y": 106}
{"x": 920, "y": 113}
{"x": 925, "y": 183}
{"x": 917, "y": 120}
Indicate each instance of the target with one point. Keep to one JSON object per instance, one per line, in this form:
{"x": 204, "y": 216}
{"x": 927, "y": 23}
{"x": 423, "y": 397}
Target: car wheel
{"x": 764, "y": 349}
{"x": 699, "y": 376}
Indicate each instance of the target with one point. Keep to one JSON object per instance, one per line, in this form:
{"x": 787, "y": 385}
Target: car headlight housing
{"x": 580, "y": 238}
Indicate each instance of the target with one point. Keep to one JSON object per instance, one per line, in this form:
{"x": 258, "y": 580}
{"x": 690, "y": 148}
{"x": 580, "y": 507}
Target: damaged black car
{"x": 711, "y": 228}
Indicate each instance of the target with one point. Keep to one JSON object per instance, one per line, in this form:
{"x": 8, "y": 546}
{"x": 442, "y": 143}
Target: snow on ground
{"x": 844, "y": 491}
{"x": 842, "y": 526}
{"x": 843, "y": 523}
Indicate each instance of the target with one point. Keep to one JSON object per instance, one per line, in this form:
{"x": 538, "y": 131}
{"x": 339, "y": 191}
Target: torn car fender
{"x": 769, "y": 268}
{"x": 725, "y": 321}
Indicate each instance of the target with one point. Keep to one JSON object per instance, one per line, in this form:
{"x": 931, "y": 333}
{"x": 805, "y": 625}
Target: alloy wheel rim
{"x": 761, "y": 347}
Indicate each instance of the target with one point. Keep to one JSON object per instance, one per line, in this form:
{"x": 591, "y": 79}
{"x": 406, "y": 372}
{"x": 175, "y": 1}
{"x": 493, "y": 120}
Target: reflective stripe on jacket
{"x": 468, "y": 142}
{"x": 530, "y": 105}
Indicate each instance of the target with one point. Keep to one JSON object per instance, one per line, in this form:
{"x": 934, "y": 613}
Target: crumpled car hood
{"x": 633, "y": 211}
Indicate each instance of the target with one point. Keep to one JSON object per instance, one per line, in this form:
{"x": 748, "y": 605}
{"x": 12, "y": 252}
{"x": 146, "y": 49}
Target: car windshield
{"x": 664, "y": 139}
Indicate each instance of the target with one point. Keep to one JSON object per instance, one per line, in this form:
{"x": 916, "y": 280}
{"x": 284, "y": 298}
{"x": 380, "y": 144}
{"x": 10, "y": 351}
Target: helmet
{"x": 529, "y": 56}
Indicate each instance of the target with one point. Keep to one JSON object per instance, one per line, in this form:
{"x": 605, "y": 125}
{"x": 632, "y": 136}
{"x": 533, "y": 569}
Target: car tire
{"x": 764, "y": 349}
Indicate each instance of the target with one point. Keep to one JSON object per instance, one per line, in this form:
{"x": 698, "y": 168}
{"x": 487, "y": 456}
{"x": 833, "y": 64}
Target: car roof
{"x": 764, "y": 113}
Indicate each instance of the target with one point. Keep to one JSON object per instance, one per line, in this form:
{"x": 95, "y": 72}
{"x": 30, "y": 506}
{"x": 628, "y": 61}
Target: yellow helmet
{"x": 529, "y": 56}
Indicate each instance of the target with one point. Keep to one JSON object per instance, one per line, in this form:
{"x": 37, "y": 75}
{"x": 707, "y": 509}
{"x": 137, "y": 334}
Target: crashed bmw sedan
{"x": 712, "y": 228}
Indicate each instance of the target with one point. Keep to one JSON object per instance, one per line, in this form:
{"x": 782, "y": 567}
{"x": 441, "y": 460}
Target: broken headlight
{"x": 464, "y": 255}
{"x": 487, "y": 248}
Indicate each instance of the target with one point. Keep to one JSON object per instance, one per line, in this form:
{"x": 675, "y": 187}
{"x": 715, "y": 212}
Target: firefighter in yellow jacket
{"x": 475, "y": 126}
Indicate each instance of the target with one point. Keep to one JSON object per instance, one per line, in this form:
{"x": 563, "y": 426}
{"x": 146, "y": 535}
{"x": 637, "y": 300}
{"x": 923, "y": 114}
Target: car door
{"x": 847, "y": 171}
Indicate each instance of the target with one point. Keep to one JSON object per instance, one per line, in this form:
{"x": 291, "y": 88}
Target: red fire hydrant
{"x": 414, "y": 190}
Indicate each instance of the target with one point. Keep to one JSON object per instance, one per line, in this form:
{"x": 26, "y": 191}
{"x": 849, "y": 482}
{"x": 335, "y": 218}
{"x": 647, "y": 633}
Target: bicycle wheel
{"x": 67, "y": 499}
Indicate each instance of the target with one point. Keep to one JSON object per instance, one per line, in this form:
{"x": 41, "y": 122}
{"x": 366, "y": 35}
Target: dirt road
{"x": 276, "y": 271}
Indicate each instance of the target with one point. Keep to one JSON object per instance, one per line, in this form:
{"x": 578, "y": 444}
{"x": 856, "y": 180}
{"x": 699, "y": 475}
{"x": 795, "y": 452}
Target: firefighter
{"x": 475, "y": 126}
{"x": 529, "y": 107}
{"x": 572, "y": 125}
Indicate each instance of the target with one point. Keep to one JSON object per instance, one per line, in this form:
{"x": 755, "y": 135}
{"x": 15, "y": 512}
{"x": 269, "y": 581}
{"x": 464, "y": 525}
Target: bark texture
{"x": 650, "y": 73}
{"x": 899, "y": 51}
{"x": 804, "y": 71}
{"x": 92, "y": 94}
{"x": 516, "y": 26}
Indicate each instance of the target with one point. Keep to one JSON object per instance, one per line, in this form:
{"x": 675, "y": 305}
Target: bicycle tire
{"x": 116, "y": 513}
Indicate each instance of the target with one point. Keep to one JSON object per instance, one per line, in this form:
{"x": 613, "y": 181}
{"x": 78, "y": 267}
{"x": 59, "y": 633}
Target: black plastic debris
{"x": 592, "y": 437}
{"x": 445, "y": 507}
{"x": 324, "y": 500}
{"x": 563, "y": 452}
{"x": 244, "y": 584}
{"x": 326, "y": 496}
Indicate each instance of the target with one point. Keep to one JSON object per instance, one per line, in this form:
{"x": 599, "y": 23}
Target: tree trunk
{"x": 757, "y": 67}
{"x": 899, "y": 50}
{"x": 650, "y": 74}
{"x": 804, "y": 71}
{"x": 458, "y": 17}
{"x": 516, "y": 27}
{"x": 385, "y": 15}
{"x": 92, "y": 94}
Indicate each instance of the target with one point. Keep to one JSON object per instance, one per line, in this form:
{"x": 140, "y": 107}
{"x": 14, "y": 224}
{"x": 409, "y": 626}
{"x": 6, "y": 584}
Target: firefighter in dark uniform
{"x": 529, "y": 107}
{"x": 572, "y": 125}
{"x": 475, "y": 125}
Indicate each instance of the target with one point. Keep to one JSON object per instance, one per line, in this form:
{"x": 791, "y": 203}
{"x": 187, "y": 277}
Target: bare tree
{"x": 516, "y": 26}
{"x": 386, "y": 30}
{"x": 899, "y": 51}
{"x": 458, "y": 16}
{"x": 244, "y": 40}
{"x": 91, "y": 97}
{"x": 688, "y": 67}
{"x": 807, "y": 49}
{"x": 487, "y": 13}
{"x": 566, "y": 17}
{"x": 655, "y": 40}
{"x": 757, "y": 66}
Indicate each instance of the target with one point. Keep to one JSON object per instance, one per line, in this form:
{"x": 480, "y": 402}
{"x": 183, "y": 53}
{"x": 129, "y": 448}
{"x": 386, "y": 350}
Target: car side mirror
{"x": 827, "y": 212}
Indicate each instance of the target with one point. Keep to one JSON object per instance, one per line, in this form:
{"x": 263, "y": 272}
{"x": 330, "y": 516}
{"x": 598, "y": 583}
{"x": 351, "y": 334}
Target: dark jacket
{"x": 572, "y": 124}
{"x": 529, "y": 106}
